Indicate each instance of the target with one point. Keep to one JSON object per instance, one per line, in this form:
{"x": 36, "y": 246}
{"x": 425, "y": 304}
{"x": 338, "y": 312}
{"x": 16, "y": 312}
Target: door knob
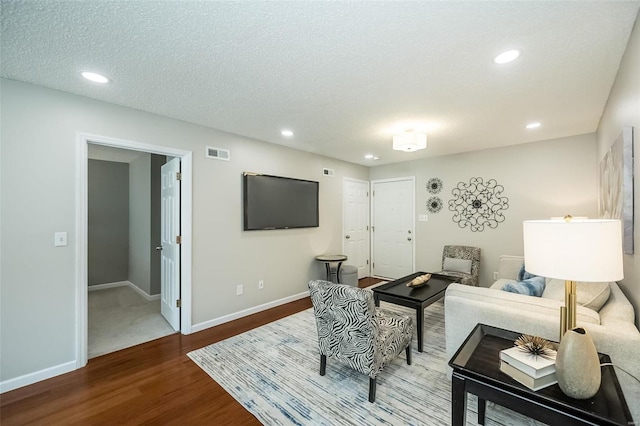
{"x": 159, "y": 248}
{"x": 408, "y": 238}
{"x": 348, "y": 236}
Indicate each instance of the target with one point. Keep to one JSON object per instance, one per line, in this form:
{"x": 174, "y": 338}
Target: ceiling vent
{"x": 328, "y": 172}
{"x": 218, "y": 153}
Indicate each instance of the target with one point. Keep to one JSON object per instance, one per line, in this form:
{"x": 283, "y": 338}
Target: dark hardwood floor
{"x": 154, "y": 383}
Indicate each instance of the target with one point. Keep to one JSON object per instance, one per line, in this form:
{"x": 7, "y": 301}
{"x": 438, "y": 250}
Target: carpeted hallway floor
{"x": 119, "y": 317}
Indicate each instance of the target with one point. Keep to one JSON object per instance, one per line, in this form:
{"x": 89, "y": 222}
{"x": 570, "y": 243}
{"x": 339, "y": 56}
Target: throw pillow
{"x": 533, "y": 286}
{"x": 457, "y": 265}
{"x": 589, "y": 295}
{"x": 524, "y": 275}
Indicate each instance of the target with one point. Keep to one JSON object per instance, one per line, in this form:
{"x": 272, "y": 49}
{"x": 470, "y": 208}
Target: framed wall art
{"x": 615, "y": 199}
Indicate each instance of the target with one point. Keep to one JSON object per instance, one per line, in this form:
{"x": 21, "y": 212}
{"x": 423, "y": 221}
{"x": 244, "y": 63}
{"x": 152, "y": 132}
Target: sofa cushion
{"x": 589, "y": 295}
{"x": 509, "y": 266}
{"x": 507, "y": 303}
{"x": 457, "y": 265}
{"x": 533, "y": 286}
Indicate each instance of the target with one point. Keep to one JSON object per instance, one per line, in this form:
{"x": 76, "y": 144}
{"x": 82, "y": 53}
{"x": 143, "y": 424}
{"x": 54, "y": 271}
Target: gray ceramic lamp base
{"x": 578, "y": 365}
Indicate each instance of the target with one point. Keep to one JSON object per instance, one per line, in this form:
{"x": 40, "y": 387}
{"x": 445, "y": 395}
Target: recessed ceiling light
{"x": 96, "y": 78}
{"x": 286, "y": 132}
{"x": 376, "y": 158}
{"x": 369, "y": 156}
{"x": 533, "y": 125}
{"x": 508, "y": 56}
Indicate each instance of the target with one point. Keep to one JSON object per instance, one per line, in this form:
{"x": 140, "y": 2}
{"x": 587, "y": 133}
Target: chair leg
{"x": 372, "y": 389}
{"x": 408, "y": 352}
{"x": 323, "y": 364}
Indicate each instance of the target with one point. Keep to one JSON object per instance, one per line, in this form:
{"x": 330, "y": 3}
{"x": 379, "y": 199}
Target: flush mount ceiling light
{"x": 533, "y": 125}
{"x": 96, "y": 78}
{"x": 371, "y": 157}
{"x": 508, "y": 56}
{"x": 286, "y": 132}
{"x": 409, "y": 141}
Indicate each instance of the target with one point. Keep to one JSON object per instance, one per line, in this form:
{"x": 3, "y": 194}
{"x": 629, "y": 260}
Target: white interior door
{"x": 170, "y": 235}
{"x": 355, "y": 210}
{"x": 393, "y": 227}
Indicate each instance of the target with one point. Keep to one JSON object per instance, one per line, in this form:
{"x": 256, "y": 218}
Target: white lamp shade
{"x": 576, "y": 250}
{"x": 409, "y": 141}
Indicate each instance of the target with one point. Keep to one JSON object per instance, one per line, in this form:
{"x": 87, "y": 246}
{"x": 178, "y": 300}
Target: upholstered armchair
{"x": 461, "y": 262}
{"x": 352, "y": 331}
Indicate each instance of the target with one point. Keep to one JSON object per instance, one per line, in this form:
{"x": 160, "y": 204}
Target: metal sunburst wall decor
{"x": 434, "y": 204}
{"x": 434, "y": 185}
{"x": 478, "y": 205}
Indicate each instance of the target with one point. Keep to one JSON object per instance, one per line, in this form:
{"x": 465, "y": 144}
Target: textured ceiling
{"x": 342, "y": 75}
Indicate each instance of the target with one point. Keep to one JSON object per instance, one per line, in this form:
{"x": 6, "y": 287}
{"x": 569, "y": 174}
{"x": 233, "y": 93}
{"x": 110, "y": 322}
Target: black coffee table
{"x": 476, "y": 370}
{"x": 418, "y": 298}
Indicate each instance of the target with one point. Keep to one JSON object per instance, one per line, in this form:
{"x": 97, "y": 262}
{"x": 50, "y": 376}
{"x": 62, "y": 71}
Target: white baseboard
{"x": 37, "y": 376}
{"x": 137, "y": 289}
{"x": 245, "y": 312}
{"x": 143, "y": 293}
{"x": 108, "y": 285}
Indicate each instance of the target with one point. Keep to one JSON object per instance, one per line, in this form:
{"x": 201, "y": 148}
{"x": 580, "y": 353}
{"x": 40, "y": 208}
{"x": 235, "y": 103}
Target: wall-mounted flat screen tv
{"x": 276, "y": 202}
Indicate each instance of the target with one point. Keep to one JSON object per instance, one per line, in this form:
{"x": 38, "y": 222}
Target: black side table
{"x": 476, "y": 370}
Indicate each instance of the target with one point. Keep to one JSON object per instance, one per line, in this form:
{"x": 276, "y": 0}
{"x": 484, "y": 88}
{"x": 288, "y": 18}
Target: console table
{"x": 476, "y": 370}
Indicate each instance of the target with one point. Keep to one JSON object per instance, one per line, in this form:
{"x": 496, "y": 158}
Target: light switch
{"x": 423, "y": 218}
{"x": 60, "y": 239}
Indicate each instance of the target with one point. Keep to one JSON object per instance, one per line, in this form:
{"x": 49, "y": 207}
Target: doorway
{"x": 393, "y": 227}
{"x": 124, "y": 250}
{"x": 184, "y": 240}
{"x": 355, "y": 222}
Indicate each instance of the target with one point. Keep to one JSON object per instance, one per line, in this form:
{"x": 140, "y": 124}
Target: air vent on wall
{"x": 218, "y": 153}
{"x": 328, "y": 172}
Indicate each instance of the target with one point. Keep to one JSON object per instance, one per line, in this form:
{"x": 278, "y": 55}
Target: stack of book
{"x": 535, "y": 372}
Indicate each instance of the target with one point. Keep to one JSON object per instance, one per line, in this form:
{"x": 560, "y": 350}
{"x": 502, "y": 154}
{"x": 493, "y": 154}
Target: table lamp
{"x": 574, "y": 250}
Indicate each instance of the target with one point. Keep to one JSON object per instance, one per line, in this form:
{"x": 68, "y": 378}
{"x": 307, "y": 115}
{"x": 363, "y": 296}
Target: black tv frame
{"x": 246, "y": 207}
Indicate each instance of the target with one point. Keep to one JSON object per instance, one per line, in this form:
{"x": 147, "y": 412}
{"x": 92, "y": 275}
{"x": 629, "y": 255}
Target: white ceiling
{"x": 342, "y": 75}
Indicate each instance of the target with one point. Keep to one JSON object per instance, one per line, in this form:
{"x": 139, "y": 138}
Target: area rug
{"x": 273, "y": 372}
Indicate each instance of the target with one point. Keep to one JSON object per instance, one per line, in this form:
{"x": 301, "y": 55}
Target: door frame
{"x": 413, "y": 215}
{"x": 81, "y": 228}
{"x": 348, "y": 179}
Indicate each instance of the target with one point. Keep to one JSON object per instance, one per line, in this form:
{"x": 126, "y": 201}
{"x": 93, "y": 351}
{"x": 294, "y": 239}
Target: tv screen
{"x": 275, "y": 202}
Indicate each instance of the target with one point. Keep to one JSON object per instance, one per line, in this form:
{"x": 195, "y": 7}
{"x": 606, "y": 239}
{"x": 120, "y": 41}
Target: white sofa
{"x": 612, "y": 327}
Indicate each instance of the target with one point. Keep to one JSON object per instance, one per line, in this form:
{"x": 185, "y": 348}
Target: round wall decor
{"x": 434, "y": 185}
{"x": 434, "y": 204}
{"x": 477, "y": 204}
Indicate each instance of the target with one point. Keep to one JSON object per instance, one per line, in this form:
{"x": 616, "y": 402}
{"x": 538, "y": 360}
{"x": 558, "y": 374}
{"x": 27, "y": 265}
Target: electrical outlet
{"x": 260, "y": 284}
{"x": 495, "y": 275}
{"x": 239, "y": 290}
{"x": 60, "y": 239}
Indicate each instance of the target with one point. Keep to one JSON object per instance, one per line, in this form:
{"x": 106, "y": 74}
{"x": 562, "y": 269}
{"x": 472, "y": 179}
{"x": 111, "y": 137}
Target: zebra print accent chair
{"x": 354, "y": 332}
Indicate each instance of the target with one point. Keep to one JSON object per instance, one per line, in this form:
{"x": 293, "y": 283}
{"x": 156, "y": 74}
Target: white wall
{"x": 622, "y": 110}
{"x": 541, "y": 179}
{"x": 140, "y": 222}
{"x": 38, "y": 134}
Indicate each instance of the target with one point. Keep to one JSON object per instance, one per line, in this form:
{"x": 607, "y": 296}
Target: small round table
{"x": 328, "y": 259}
